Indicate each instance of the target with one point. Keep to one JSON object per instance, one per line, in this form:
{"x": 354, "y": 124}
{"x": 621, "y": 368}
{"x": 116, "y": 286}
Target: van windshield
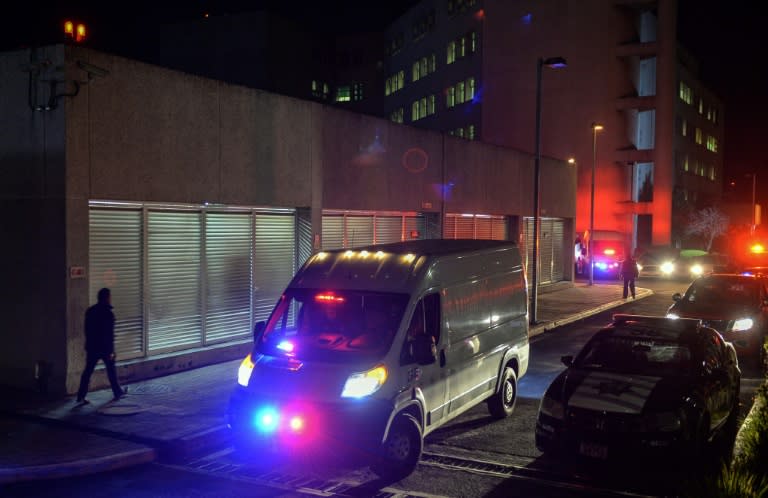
{"x": 332, "y": 325}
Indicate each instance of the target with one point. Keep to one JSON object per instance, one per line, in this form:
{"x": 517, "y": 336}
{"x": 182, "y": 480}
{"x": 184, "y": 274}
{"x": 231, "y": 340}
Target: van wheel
{"x": 502, "y": 404}
{"x": 401, "y": 452}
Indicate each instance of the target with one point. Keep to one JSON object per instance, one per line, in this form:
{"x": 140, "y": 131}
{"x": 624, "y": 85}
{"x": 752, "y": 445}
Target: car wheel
{"x": 401, "y": 451}
{"x": 502, "y": 404}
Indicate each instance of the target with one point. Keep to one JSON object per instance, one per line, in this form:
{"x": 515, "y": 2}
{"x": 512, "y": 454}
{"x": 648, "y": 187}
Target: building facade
{"x": 196, "y": 200}
{"x": 469, "y": 68}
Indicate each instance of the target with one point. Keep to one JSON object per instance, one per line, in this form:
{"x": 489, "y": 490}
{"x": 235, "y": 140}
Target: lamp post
{"x": 555, "y": 63}
{"x": 595, "y": 128}
{"x": 754, "y": 214}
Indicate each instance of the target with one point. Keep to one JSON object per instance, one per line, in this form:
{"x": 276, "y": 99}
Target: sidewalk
{"x": 173, "y": 417}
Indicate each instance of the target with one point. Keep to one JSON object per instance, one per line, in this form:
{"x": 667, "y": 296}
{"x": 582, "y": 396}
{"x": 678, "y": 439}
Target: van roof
{"x": 394, "y": 267}
{"x": 439, "y": 247}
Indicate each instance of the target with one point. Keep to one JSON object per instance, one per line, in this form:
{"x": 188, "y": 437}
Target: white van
{"x": 374, "y": 348}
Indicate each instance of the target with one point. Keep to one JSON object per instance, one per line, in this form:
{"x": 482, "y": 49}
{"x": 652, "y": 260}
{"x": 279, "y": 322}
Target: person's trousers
{"x": 90, "y": 364}
{"x": 629, "y": 285}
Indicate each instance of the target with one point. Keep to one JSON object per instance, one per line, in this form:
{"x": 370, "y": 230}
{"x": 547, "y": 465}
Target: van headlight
{"x": 742, "y": 324}
{"x": 245, "y": 370}
{"x": 674, "y": 316}
{"x": 697, "y": 269}
{"x": 667, "y": 268}
{"x": 363, "y": 384}
{"x": 552, "y": 407}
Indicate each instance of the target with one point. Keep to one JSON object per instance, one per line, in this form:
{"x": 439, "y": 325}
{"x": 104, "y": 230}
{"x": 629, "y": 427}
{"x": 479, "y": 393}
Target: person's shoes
{"x": 82, "y": 401}
{"x": 123, "y": 393}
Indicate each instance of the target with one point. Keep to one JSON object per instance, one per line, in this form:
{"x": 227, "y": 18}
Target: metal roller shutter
{"x": 359, "y": 231}
{"x": 175, "y": 318}
{"x": 483, "y": 230}
{"x": 545, "y": 246}
{"x": 389, "y": 229}
{"x": 499, "y": 228}
{"x": 333, "y": 231}
{"x": 228, "y": 276}
{"x": 115, "y": 259}
{"x": 274, "y": 260}
{"x": 558, "y": 241}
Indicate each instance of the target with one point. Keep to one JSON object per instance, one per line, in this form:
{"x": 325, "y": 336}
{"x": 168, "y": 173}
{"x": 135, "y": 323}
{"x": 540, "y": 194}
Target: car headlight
{"x": 245, "y": 370}
{"x": 667, "y": 268}
{"x": 639, "y": 267}
{"x": 674, "y": 316}
{"x": 663, "y": 422}
{"x": 697, "y": 270}
{"x": 552, "y": 407}
{"x": 742, "y": 324}
{"x": 363, "y": 384}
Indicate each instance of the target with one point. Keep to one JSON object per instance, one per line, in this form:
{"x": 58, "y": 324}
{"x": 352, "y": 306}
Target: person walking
{"x": 629, "y": 273}
{"x": 99, "y": 344}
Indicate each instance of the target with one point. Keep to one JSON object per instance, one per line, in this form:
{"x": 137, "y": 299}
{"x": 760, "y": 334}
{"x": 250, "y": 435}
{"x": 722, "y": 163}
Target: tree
{"x": 708, "y": 223}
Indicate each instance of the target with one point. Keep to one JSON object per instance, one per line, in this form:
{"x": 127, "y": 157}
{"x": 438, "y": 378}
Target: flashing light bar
{"x": 329, "y": 298}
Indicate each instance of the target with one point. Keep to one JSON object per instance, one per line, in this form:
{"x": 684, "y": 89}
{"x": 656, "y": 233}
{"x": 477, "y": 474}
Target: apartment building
{"x": 474, "y": 69}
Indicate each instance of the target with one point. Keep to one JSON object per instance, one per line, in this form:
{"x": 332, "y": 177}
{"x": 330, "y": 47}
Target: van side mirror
{"x": 258, "y": 328}
{"x": 567, "y": 360}
{"x": 677, "y": 296}
{"x": 424, "y": 349}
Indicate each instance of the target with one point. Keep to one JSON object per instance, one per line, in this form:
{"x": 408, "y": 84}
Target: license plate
{"x": 593, "y": 450}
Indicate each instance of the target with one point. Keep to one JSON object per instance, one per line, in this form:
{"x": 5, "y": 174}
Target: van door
{"x": 429, "y": 378}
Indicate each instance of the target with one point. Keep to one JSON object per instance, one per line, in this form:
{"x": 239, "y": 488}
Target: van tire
{"x": 401, "y": 452}
{"x": 502, "y": 403}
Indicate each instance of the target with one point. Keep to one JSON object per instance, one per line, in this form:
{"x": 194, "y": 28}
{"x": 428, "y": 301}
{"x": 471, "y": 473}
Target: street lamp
{"x": 555, "y": 63}
{"x": 595, "y": 128}
{"x": 754, "y": 214}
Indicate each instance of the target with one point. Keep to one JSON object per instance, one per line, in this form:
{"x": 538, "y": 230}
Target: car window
{"x": 723, "y": 291}
{"x": 635, "y": 354}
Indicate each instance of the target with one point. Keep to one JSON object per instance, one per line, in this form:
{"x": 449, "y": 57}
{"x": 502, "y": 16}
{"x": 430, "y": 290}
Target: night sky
{"x": 725, "y": 36}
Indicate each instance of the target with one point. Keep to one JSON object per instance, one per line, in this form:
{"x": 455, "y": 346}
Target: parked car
{"x": 734, "y": 304}
{"x": 697, "y": 266}
{"x": 642, "y": 387}
{"x": 661, "y": 263}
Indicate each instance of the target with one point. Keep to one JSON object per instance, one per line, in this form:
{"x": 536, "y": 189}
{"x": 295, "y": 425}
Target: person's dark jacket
{"x": 629, "y": 269}
{"x": 99, "y": 329}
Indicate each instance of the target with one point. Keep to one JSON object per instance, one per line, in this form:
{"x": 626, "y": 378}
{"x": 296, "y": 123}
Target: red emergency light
{"x": 76, "y": 32}
{"x": 609, "y": 252}
{"x": 329, "y": 298}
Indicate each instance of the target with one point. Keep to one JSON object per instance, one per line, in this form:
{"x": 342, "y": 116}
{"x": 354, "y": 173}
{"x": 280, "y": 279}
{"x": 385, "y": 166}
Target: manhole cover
{"x": 120, "y": 409}
{"x": 150, "y": 389}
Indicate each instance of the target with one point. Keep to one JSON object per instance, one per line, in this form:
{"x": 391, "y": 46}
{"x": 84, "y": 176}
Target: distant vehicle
{"x": 658, "y": 262}
{"x": 608, "y": 251}
{"x": 642, "y": 387}
{"x": 734, "y": 304}
{"x": 697, "y": 266}
{"x": 374, "y": 348}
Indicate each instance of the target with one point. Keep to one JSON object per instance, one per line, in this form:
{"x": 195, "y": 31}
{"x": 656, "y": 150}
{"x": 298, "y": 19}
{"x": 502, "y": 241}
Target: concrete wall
{"x": 136, "y": 132}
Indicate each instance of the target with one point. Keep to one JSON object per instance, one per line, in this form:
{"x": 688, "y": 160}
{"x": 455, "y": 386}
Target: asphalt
{"x": 177, "y": 416}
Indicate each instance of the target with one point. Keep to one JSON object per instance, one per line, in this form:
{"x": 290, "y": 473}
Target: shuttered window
{"x": 550, "y": 249}
{"x": 274, "y": 260}
{"x": 115, "y": 261}
{"x": 228, "y": 276}
{"x": 185, "y": 278}
{"x": 175, "y": 316}
{"x": 479, "y": 227}
{"x": 342, "y": 229}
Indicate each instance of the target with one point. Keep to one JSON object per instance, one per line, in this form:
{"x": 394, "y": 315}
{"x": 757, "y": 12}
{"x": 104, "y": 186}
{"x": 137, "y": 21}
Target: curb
{"x": 541, "y": 328}
{"x": 80, "y": 467}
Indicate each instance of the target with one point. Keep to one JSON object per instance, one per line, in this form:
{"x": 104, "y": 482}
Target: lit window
{"x": 698, "y": 136}
{"x": 462, "y": 46}
{"x": 432, "y": 63}
{"x": 326, "y": 90}
{"x": 711, "y": 143}
{"x": 685, "y": 163}
{"x": 460, "y": 92}
{"x": 686, "y": 95}
{"x": 388, "y": 87}
{"x": 431, "y": 105}
{"x": 400, "y": 79}
{"x": 451, "y": 53}
{"x": 415, "y": 111}
{"x": 357, "y": 91}
{"x": 471, "y": 132}
{"x": 450, "y": 99}
{"x": 460, "y": 132}
{"x": 424, "y": 71}
{"x": 314, "y": 86}
{"x": 415, "y": 76}
{"x": 343, "y": 94}
{"x": 423, "y": 107}
{"x": 469, "y": 89}
{"x": 701, "y": 106}
{"x": 684, "y": 128}
{"x": 473, "y": 41}
{"x": 397, "y": 115}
